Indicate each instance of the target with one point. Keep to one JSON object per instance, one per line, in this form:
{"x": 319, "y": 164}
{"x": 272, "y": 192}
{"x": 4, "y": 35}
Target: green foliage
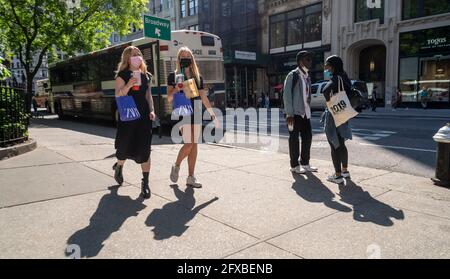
{"x": 4, "y": 73}
{"x": 35, "y": 27}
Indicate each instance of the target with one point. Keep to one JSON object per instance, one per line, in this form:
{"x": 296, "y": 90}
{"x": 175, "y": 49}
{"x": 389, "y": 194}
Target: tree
{"x": 4, "y": 73}
{"x": 35, "y": 28}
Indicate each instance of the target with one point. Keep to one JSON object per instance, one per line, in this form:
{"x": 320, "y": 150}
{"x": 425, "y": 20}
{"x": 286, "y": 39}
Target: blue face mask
{"x": 327, "y": 74}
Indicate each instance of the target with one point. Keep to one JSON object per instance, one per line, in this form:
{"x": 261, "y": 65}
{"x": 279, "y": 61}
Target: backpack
{"x": 295, "y": 79}
{"x": 356, "y": 99}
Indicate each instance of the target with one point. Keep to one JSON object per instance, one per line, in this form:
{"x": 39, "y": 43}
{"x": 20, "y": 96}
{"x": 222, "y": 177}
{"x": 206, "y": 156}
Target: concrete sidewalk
{"x": 251, "y": 206}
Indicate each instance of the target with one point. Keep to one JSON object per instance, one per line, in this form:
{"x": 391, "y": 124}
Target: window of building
{"x": 363, "y": 12}
{"x": 277, "y": 31}
{"x": 296, "y": 27}
{"x": 193, "y": 27}
{"x": 425, "y": 64}
{"x": 295, "y": 31}
{"x": 226, "y": 8}
{"x": 313, "y": 27}
{"x": 183, "y": 11}
{"x": 421, "y": 8}
{"x": 153, "y": 6}
{"x": 193, "y": 6}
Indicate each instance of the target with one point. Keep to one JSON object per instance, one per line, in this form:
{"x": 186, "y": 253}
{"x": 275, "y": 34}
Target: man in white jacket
{"x": 297, "y": 100}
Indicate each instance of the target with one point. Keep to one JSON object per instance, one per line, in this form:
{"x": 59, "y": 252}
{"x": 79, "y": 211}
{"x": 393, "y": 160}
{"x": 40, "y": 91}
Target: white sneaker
{"x": 335, "y": 179}
{"x": 193, "y": 182}
{"x": 309, "y": 168}
{"x": 174, "y": 173}
{"x": 346, "y": 174}
{"x": 298, "y": 170}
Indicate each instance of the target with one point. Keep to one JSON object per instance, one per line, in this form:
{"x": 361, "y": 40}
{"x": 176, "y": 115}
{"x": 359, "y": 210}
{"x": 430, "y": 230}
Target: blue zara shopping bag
{"x": 127, "y": 108}
{"x": 182, "y": 106}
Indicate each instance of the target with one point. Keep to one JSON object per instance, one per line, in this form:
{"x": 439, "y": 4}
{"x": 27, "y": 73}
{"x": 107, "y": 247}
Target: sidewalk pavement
{"x": 251, "y": 206}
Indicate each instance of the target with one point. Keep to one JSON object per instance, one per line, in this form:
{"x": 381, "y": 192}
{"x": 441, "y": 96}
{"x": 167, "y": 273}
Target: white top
{"x": 306, "y": 89}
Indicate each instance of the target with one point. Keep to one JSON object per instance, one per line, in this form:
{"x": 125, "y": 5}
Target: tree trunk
{"x": 29, "y": 92}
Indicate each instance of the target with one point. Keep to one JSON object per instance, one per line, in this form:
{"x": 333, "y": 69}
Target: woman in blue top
{"x": 191, "y": 127}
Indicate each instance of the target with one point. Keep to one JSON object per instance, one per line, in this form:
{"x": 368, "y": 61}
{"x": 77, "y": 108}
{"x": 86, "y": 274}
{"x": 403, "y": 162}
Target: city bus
{"x": 84, "y": 85}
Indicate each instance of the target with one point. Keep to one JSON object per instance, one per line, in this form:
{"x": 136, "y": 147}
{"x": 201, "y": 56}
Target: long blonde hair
{"x": 193, "y": 67}
{"x": 124, "y": 60}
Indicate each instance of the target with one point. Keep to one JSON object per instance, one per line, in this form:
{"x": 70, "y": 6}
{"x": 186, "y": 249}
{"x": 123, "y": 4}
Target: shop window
{"x": 313, "y": 27}
{"x": 421, "y": 8}
{"x": 277, "y": 35}
{"x": 295, "y": 31}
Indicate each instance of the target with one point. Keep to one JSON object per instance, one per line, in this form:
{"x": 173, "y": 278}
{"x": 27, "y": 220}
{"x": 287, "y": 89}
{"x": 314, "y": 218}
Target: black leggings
{"x": 339, "y": 155}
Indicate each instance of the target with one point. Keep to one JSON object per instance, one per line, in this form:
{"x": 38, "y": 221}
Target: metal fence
{"x": 14, "y": 116}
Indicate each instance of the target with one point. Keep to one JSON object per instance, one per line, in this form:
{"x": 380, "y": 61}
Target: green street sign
{"x": 156, "y": 28}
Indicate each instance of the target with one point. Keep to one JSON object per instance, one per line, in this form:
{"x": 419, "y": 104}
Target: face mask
{"x": 327, "y": 74}
{"x": 136, "y": 61}
{"x": 185, "y": 62}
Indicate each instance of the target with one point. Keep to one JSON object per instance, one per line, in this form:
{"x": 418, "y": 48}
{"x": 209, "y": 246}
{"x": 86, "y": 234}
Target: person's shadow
{"x": 172, "y": 218}
{"x": 311, "y": 189}
{"x": 113, "y": 210}
{"x": 366, "y": 208}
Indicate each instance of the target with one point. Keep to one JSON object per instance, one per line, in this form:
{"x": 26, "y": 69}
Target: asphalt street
{"x": 397, "y": 143}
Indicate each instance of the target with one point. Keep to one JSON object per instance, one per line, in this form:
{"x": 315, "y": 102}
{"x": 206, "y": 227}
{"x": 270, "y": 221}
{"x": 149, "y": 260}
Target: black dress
{"x": 134, "y": 138}
{"x": 196, "y": 102}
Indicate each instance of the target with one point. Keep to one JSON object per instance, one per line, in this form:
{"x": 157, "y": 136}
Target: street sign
{"x": 157, "y": 28}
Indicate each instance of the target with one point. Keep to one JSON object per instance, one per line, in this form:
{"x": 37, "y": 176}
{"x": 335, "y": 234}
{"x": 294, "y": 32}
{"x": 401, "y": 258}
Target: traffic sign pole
{"x": 159, "y": 29}
{"x": 159, "y": 86}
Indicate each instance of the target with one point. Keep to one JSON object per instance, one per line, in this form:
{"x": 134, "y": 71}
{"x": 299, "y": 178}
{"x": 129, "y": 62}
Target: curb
{"x": 19, "y": 149}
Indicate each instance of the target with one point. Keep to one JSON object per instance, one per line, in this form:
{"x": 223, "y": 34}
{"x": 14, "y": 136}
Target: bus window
{"x": 207, "y": 41}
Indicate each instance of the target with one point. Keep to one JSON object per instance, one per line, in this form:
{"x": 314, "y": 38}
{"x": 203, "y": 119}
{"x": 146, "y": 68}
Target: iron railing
{"x": 14, "y": 116}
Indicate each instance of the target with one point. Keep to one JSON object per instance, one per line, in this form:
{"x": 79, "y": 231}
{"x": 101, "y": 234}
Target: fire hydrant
{"x": 442, "y": 138}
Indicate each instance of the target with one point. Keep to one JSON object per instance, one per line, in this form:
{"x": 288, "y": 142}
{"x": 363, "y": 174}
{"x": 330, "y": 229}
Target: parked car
{"x": 317, "y": 99}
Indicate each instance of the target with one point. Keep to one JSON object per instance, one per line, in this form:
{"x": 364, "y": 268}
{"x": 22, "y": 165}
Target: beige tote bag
{"x": 340, "y": 107}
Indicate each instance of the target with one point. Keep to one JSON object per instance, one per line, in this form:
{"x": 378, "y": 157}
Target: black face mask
{"x": 185, "y": 62}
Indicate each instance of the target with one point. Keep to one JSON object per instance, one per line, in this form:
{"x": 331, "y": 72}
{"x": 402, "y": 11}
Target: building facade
{"x": 18, "y": 70}
{"x": 395, "y": 44}
{"x": 289, "y": 26}
{"x": 237, "y": 23}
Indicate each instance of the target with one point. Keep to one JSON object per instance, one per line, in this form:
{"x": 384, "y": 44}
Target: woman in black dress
{"x": 134, "y": 138}
{"x": 191, "y": 128}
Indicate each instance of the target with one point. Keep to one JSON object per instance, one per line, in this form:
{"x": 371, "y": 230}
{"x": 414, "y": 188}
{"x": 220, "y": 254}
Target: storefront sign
{"x": 436, "y": 43}
{"x": 245, "y": 55}
{"x": 425, "y": 42}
